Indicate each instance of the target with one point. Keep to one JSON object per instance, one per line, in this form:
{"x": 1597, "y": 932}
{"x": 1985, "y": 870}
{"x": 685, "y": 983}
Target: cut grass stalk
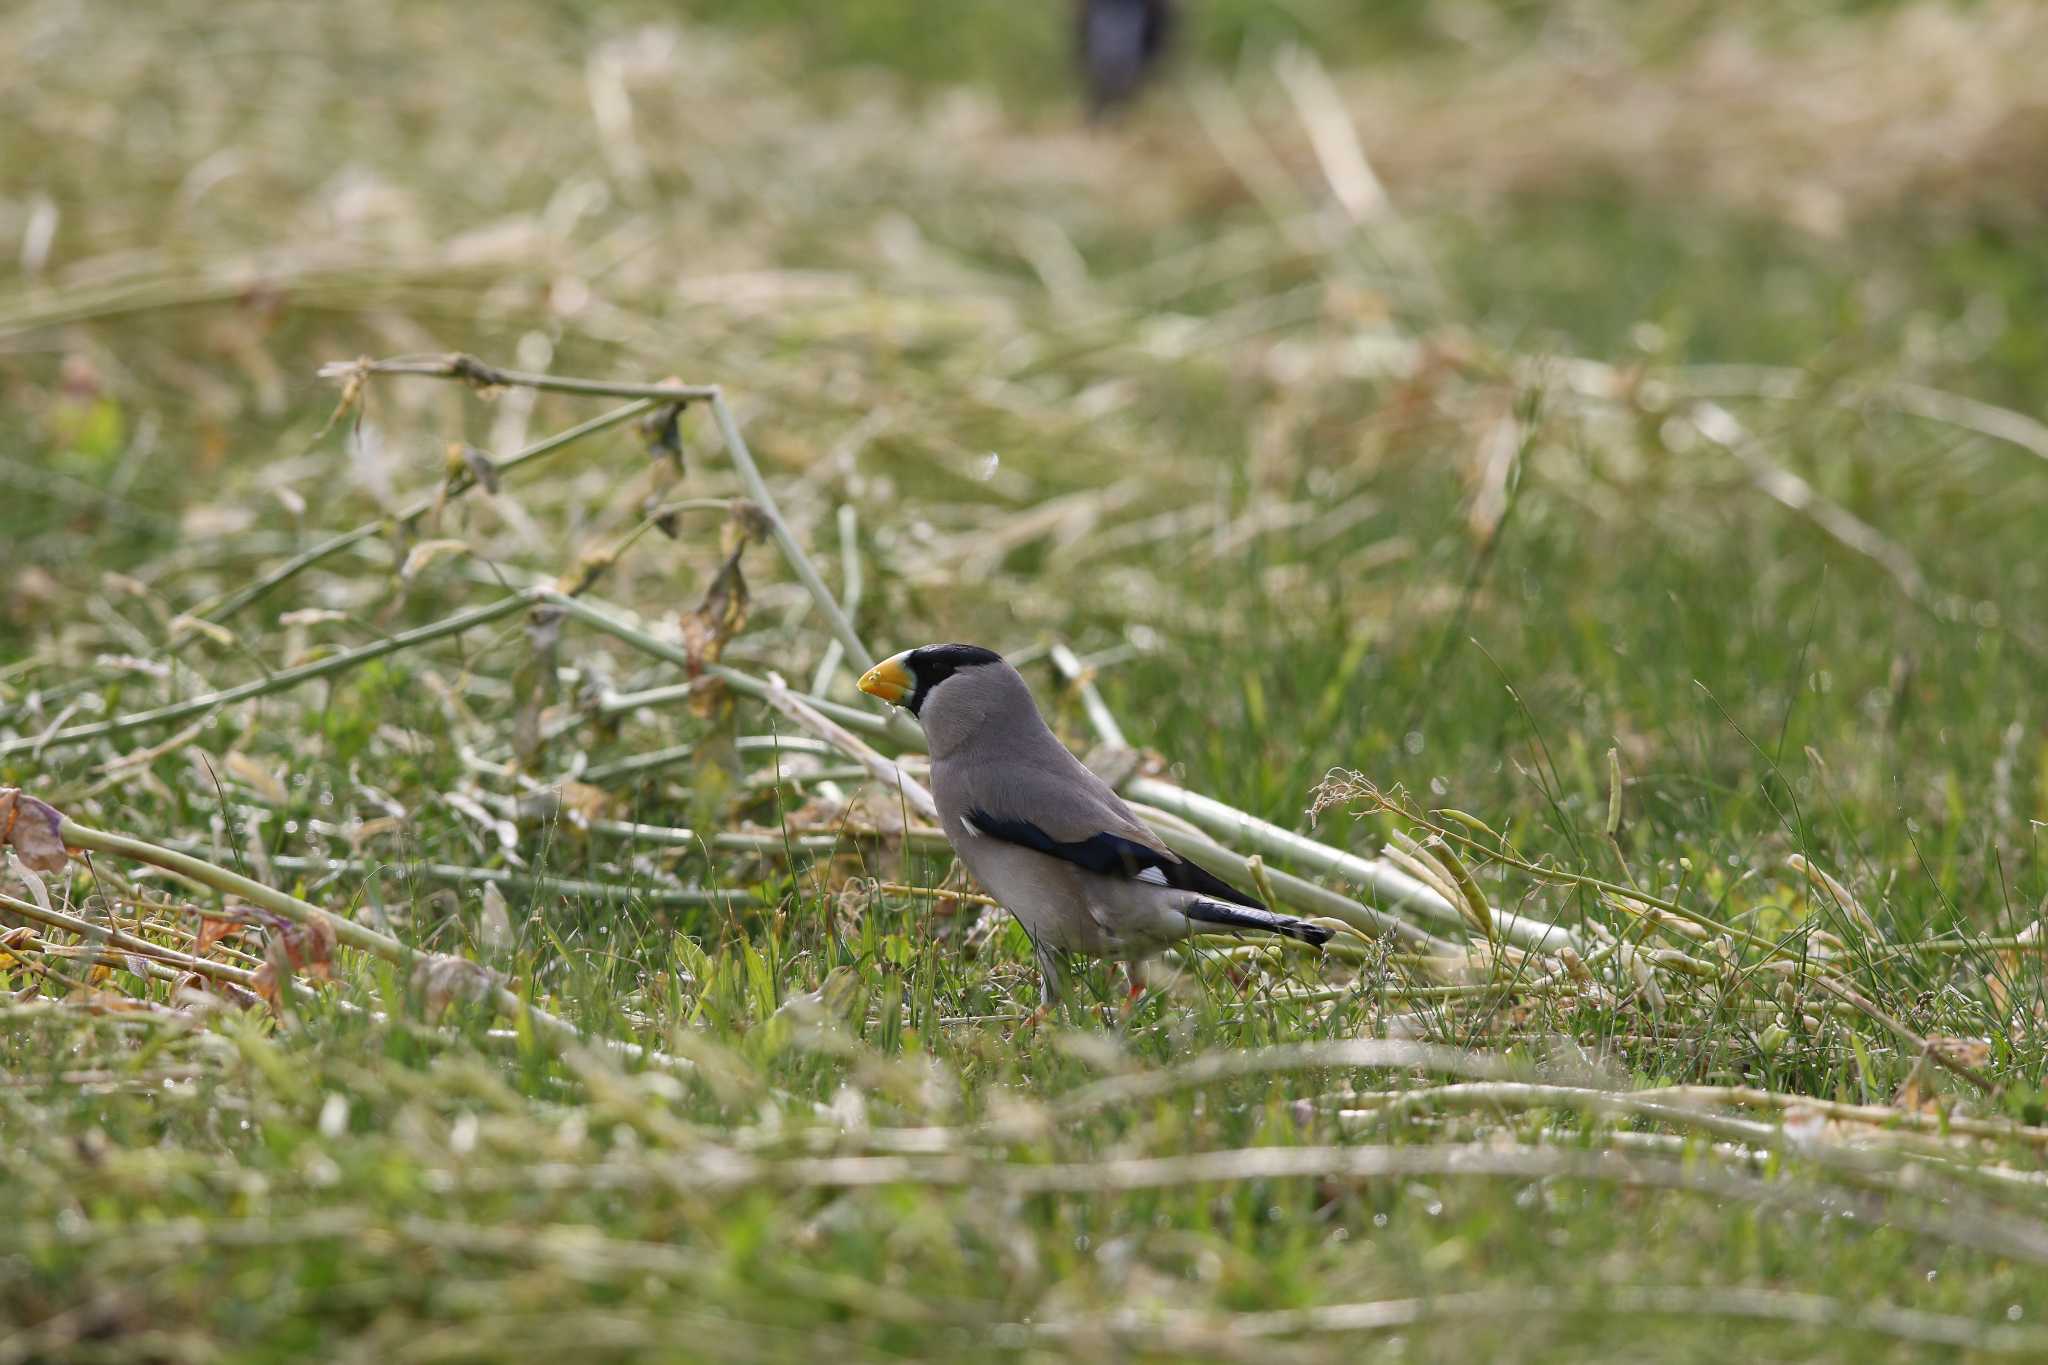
{"x": 535, "y": 883}
{"x": 345, "y": 931}
{"x": 481, "y": 374}
{"x": 1235, "y": 826}
{"x": 282, "y": 680}
{"x": 456, "y": 484}
{"x": 1173, "y": 1332}
{"x": 128, "y": 943}
{"x": 470, "y": 370}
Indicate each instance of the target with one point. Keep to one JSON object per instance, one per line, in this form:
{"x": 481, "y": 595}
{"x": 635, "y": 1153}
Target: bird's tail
{"x": 1240, "y": 917}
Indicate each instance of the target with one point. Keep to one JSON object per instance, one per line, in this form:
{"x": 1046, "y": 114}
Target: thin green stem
{"x": 457, "y": 483}
{"x": 456, "y": 365}
{"x": 280, "y": 681}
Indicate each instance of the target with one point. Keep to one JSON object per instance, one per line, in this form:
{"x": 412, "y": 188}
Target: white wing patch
{"x": 1153, "y": 875}
{"x": 970, "y": 827}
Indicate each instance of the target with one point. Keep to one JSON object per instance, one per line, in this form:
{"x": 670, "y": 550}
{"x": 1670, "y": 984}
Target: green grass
{"x": 1273, "y": 545}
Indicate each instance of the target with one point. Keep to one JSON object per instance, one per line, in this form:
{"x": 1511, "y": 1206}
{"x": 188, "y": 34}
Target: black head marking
{"x": 933, "y": 664}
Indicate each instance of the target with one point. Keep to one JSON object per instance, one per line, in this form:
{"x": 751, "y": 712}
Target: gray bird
{"x": 1043, "y": 835}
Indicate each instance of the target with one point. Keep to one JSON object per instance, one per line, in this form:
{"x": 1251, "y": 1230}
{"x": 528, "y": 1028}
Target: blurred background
{"x": 1362, "y": 330}
{"x": 1619, "y": 419}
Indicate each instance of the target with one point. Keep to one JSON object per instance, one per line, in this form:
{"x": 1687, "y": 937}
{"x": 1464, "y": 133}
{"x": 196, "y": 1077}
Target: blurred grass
{"x": 1269, "y": 541}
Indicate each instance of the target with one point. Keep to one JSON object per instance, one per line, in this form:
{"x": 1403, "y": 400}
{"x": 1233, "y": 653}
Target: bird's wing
{"x": 1070, "y": 814}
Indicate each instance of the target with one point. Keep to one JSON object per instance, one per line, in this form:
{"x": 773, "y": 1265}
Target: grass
{"x": 1309, "y": 493}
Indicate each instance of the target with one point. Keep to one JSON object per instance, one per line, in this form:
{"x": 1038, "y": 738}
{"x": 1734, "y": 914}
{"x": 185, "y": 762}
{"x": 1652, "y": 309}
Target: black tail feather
{"x": 1238, "y": 917}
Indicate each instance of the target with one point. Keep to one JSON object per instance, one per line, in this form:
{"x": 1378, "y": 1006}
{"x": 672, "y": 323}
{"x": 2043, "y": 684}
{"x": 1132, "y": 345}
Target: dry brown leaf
{"x": 30, "y": 827}
{"x": 353, "y": 378}
{"x": 582, "y": 576}
{"x": 1917, "y": 1093}
{"x": 1972, "y": 1052}
{"x": 212, "y": 931}
{"x": 293, "y": 948}
{"x": 264, "y": 979}
{"x": 662, "y": 479}
{"x": 745, "y": 524}
{"x": 444, "y": 979}
{"x": 718, "y": 618}
{"x": 662, "y": 430}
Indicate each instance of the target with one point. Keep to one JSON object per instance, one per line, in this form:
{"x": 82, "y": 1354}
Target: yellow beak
{"x": 890, "y": 680}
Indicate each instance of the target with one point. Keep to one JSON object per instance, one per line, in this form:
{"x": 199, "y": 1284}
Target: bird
{"x": 1044, "y": 836}
{"x": 1120, "y": 42}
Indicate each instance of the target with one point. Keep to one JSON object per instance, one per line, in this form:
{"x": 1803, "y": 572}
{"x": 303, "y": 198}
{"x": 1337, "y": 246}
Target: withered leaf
{"x": 212, "y": 931}
{"x": 1968, "y": 1051}
{"x": 290, "y": 948}
{"x": 719, "y": 617}
{"x": 661, "y": 429}
{"x": 661, "y": 479}
{"x": 30, "y": 827}
{"x": 352, "y": 378}
{"x": 711, "y": 701}
{"x": 745, "y": 524}
{"x": 582, "y": 576}
{"x": 444, "y": 979}
{"x": 264, "y": 979}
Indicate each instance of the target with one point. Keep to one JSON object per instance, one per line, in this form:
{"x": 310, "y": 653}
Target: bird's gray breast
{"x": 1061, "y": 905}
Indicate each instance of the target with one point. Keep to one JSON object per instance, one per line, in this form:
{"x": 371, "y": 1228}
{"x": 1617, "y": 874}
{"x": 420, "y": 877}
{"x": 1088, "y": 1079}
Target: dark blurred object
{"x": 1121, "y": 44}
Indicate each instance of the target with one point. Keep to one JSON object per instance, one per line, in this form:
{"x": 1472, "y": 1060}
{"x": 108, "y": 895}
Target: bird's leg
{"x": 1134, "y": 978}
{"x": 1052, "y": 984}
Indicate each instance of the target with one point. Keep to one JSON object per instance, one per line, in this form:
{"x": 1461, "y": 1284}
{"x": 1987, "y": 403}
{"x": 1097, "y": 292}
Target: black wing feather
{"x": 1112, "y": 855}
